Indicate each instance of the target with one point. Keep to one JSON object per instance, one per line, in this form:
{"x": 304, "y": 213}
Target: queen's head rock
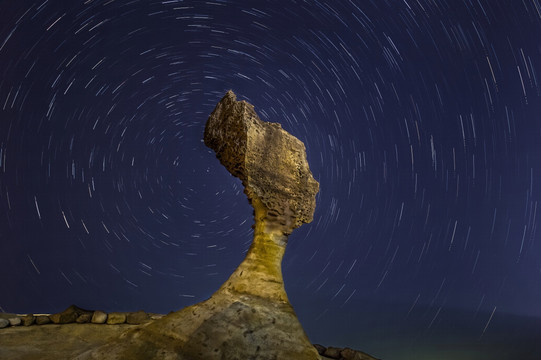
{"x": 249, "y": 316}
{"x": 270, "y": 162}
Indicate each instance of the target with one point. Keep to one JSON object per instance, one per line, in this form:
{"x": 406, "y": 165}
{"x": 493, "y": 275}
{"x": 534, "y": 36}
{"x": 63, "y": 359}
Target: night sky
{"x": 421, "y": 121}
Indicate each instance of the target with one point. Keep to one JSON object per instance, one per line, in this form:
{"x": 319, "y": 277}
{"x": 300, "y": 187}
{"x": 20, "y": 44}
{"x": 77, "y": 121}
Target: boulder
{"x": 42, "y": 320}
{"x": 4, "y": 323}
{"x": 84, "y": 318}
{"x": 136, "y": 318}
{"x": 15, "y": 321}
{"x": 320, "y": 349}
{"x": 69, "y": 315}
{"x": 350, "y": 354}
{"x": 116, "y": 318}
{"x": 99, "y": 317}
{"x": 332, "y": 352}
{"x": 28, "y": 320}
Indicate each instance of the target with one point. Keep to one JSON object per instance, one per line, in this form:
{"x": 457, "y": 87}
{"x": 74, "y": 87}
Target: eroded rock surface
{"x": 270, "y": 162}
{"x": 249, "y": 317}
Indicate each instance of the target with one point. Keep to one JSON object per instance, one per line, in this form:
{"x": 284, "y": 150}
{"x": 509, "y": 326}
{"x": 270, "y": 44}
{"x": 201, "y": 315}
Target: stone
{"x": 4, "y": 323}
{"x": 156, "y": 316}
{"x": 28, "y": 320}
{"x": 42, "y": 320}
{"x": 136, "y": 318}
{"x": 332, "y": 352}
{"x": 15, "y": 321}
{"x": 116, "y": 318}
{"x": 84, "y": 318}
{"x": 249, "y": 316}
{"x": 99, "y": 317}
{"x": 69, "y": 315}
{"x": 320, "y": 349}
{"x": 350, "y": 354}
{"x": 270, "y": 162}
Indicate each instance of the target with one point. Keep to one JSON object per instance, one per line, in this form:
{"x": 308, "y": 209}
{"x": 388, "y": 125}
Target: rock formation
{"x": 249, "y": 317}
{"x": 66, "y": 341}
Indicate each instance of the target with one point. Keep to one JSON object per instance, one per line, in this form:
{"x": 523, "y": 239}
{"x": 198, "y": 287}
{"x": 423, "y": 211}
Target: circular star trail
{"x": 420, "y": 119}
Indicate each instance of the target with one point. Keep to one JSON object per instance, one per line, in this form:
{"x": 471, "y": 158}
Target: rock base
{"x": 247, "y": 327}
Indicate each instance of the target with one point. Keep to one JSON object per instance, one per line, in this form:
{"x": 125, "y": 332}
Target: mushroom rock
{"x": 249, "y": 317}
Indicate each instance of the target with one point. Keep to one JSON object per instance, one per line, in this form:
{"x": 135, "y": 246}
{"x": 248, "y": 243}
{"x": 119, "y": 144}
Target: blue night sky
{"x": 422, "y": 123}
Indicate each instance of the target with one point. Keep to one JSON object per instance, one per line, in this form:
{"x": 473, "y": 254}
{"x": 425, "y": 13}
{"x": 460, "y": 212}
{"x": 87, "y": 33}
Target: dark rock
{"x": 116, "y": 318}
{"x": 28, "y": 320}
{"x": 4, "y": 323}
{"x": 42, "y": 320}
{"x": 84, "y": 318}
{"x": 332, "y": 352}
{"x": 69, "y": 315}
{"x": 320, "y": 349}
{"x": 15, "y": 321}
{"x": 99, "y": 317}
{"x": 350, "y": 354}
{"x": 136, "y": 318}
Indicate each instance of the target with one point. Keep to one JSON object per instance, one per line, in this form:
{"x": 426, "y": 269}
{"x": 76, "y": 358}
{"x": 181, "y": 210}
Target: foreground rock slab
{"x": 67, "y": 341}
{"x": 55, "y": 341}
{"x": 250, "y": 316}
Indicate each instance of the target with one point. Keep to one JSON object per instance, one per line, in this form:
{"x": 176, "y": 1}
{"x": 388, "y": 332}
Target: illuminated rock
{"x": 249, "y": 317}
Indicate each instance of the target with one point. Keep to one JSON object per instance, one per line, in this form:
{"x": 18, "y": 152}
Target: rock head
{"x": 250, "y": 316}
{"x": 270, "y": 162}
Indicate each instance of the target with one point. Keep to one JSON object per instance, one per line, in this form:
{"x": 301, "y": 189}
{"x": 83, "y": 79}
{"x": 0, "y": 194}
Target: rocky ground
{"x": 74, "y": 331}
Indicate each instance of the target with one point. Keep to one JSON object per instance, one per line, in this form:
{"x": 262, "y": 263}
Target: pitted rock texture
{"x": 270, "y": 162}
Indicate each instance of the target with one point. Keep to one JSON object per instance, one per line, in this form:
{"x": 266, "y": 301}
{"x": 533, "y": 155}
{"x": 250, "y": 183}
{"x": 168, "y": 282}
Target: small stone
{"x": 64, "y": 317}
{"x": 28, "y": 320}
{"x": 3, "y": 323}
{"x": 116, "y": 318}
{"x": 156, "y": 316}
{"x": 320, "y": 349}
{"x": 42, "y": 320}
{"x": 137, "y": 318}
{"x": 332, "y": 352}
{"x": 16, "y": 321}
{"x": 84, "y": 318}
{"x": 99, "y": 317}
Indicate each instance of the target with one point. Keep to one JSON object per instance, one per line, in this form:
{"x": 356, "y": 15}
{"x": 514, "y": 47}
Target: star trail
{"x": 421, "y": 121}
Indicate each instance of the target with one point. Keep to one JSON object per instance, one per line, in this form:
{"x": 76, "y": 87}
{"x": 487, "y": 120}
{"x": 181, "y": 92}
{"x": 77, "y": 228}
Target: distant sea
{"x": 393, "y": 332}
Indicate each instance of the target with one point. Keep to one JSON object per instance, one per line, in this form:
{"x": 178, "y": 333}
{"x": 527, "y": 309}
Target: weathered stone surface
{"x": 136, "y": 318}
{"x": 42, "y": 320}
{"x": 155, "y": 316}
{"x": 116, "y": 318}
{"x": 69, "y": 315}
{"x": 341, "y": 353}
{"x": 320, "y": 349}
{"x": 270, "y": 162}
{"x": 99, "y": 317}
{"x": 15, "y": 321}
{"x": 83, "y": 318}
{"x": 67, "y": 341}
{"x": 249, "y": 317}
{"x": 28, "y": 319}
{"x": 332, "y": 352}
{"x": 4, "y": 323}
{"x": 55, "y": 342}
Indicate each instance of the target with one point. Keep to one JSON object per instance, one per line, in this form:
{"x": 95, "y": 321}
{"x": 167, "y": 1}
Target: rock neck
{"x": 260, "y": 273}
